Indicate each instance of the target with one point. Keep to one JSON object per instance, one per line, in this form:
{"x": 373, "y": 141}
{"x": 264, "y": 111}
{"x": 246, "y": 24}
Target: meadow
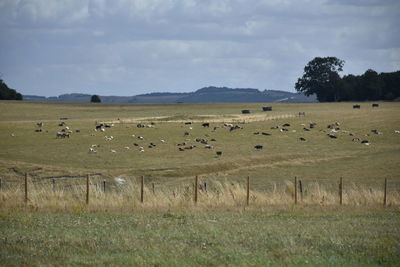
{"x": 116, "y": 228}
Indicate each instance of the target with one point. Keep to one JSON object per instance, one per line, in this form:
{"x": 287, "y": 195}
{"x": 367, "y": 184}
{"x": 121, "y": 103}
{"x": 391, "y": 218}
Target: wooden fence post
{"x": 153, "y": 188}
{"x": 295, "y": 190}
{"x": 341, "y": 191}
{"x": 104, "y": 186}
{"x": 26, "y": 188}
{"x": 248, "y": 191}
{"x": 196, "y": 187}
{"x": 87, "y": 189}
{"x": 53, "y": 181}
{"x": 301, "y": 190}
{"x": 385, "y": 193}
{"x": 141, "y": 188}
{"x": 0, "y": 184}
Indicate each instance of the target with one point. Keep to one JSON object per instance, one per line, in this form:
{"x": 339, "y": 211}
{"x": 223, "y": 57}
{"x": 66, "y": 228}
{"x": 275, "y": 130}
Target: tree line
{"x": 7, "y": 93}
{"x": 321, "y": 77}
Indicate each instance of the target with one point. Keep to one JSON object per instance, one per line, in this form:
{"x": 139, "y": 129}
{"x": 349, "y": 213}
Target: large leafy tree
{"x": 8, "y": 93}
{"x": 321, "y": 77}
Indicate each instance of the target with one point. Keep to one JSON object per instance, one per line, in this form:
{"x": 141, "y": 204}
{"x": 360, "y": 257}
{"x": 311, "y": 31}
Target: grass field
{"x": 55, "y": 227}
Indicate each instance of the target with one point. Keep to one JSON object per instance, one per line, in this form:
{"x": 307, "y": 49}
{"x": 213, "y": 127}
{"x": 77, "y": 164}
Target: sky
{"x": 130, "y": 47}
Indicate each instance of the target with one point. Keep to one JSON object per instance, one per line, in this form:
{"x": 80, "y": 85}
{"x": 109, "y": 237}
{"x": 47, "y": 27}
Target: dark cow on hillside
{"x": 258, "y": 147}
{"x": 206, "y": 124}
{"x": 375, "y": 105}
{"x": 356, "y": 106}
{"x": 245, "y": 111}
{"x": 188, "y": 123}
{"x": 219, "y": 153}
{"x": 268, "y": 108}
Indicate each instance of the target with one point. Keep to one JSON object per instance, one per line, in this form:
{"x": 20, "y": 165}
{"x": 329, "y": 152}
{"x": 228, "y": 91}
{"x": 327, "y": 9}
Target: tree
{"x": 8, "y": 93}
{"x": 95, "y": 99}
{"x": 321, "y": 77}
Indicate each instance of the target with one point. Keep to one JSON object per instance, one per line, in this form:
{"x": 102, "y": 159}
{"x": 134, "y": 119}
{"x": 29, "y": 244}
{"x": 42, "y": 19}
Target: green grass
{"x": 283, "y": 237}
{"x": 56, "y": 228}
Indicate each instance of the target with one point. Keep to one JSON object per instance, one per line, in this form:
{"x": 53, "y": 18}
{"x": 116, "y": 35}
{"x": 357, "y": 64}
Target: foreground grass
{"x": 287, "y": 236}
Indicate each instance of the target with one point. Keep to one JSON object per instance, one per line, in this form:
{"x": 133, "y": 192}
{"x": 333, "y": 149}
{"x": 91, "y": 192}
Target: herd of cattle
{"x": 333, "y": 131}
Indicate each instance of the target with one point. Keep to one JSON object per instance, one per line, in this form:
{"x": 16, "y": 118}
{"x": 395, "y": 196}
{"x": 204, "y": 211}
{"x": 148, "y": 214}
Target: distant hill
{"x": 209, "y": 94}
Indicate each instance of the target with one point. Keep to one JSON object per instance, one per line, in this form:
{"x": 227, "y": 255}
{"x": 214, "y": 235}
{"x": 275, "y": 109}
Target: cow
{"x": 267, "y": 108}
{"x": 245, "y": 111}
{"x": 206, "y": 124}
{"x": 40, "y": 124}
{"x": 62, "y": 135}
{"x": 332, "y": 136}
{"x": 286, "y": 125}
{"x": 258, "y": 147}
{"x": 265, "y": 133}
{"x": 302, "y": 139}
{"x": 302, "y": 114}
{"x": 188, "y": 123}
{"x": 219, "y": 153}
{"x": 356, "y": 106}
{"x": 375, "y": 105}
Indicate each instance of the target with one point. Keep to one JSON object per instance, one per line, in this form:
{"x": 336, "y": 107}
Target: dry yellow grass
{"x": 219, "y": 196}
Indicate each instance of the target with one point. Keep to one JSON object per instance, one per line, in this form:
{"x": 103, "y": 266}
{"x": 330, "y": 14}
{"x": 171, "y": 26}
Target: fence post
{"x": 196, "y": 186}
{"x": 141, "y": 188}
{"x": 295, "y": 190}
{"x": 385, "y": 193}
{"x": 248, "y": 191}
{"x": 0, "y": 184}
{"x": 153, "y": 188}
{"x": 104, "y": 186}
{"x": 26, "y": 187}
{"x": 341, "y": 191}
{"x": 53, "y": 181}
{"x": 301, "y": 190}
{"x": 87, "y": 189}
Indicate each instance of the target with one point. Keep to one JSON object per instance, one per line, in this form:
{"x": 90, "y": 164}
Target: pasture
{"x": 220, "y": 228}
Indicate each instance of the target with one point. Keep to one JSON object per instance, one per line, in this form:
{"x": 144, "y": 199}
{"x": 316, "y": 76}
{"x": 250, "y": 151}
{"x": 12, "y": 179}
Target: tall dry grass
{"x": 218, "y": 196}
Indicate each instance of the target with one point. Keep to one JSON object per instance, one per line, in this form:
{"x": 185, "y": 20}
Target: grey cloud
{"x": 136, "y": 46}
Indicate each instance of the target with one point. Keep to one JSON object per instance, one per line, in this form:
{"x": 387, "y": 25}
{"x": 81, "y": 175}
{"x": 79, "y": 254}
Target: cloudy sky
{"x": 129, "y": 47}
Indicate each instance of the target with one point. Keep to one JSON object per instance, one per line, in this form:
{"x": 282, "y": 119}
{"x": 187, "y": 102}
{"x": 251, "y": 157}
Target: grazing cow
{"x": 265, "y": 133}
{"x": 284, "y": 130}
{"x": 188, "y": 123}
{"x": 189, "y": 147}
{"x": 355, "y": 139}
{"x": 219, "y": 153}
{"x": 332, "y": 136}
{"x": 365, "y": 142}
{"x": 375, "y": 105}
{"x": 38, "y": 130}
{"x": 213, "y": 140}
{"x": 258, "y": 147}
{"x": 302, "y": 139}
{"x": 209, "y": 146}
{"x": 312, "y": 125}
{"x": 234, "y": 128}
{"x": 245, "y": 111}
{"x": 268, "y": 108}
{"x": 286, "y": 125}
{"x": 274, "y": 127}
{"x": 376, "y": 132}
{"x": 92, "y": 150}
{"x": 182, "y": 144}
{"x": 306, "y": 129}
{"x": 397, "y": 131}
{"x": 181, "y": 149}
{"x": 228, "y": 125}
{"x": 302, "y": 114}
{"x": 256, "y": 133}
{"x": 356, "y": 106}
{"x": 140, "y": 137}
{"x": 62, "y": 135}
{"x": 185, "y": 133}
{"x": 77, "y": 131}
{"x": 140, "y": 125}
{"x": 40, "y": 124}
{"x": 61, "y": 124}
{"x": 206, "y": 124}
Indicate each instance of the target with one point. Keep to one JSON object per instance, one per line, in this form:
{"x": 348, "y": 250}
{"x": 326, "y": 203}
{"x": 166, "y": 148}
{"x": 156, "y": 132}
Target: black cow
{"x": 375, "y": 105}
{"x": 258, "y": 147}
{"x": 357, "y": 106}
{"x": 302, "y": 139}
{"x": 206, "y": 124}
{"x": 219, "y": 153}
